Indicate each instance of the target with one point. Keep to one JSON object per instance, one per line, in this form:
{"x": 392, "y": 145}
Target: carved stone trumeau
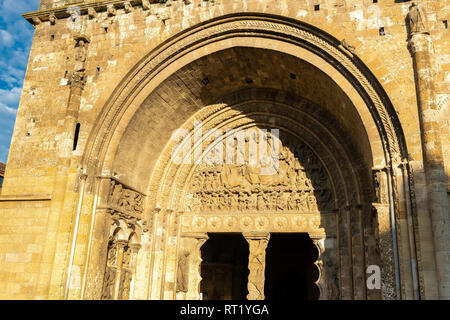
{"x": 322, "y": 282}
{"x": 256, "y": 264}
{"x": 417, "y": 19}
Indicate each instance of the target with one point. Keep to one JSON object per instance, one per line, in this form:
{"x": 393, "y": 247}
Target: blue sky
{"x": 16, "y": 35}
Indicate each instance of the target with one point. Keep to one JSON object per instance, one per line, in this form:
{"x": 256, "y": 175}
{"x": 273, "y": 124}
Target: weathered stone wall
{"x": 117, "y": 41}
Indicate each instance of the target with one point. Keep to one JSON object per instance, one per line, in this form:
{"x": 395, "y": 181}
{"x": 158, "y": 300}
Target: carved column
{"x": 386, "y": 245}
{"x": 256, "y": 264}
{"x": 189, "y": 264}
{"x": 128, "y": 271}
{"x": 121, "y": 244}
{"x": 420, "y": 46}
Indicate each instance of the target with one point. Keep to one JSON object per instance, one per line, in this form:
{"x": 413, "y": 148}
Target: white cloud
{"x": 4, "y": 109}
{"x": 11, "y": 7}
{"x": 6, "y": 38}
{"x": 15, "y": 41}
{"x": 10, "y": 97}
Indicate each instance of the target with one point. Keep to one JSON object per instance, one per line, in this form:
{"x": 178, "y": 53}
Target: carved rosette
{"x": 256, "y": 264}
{"x": 262, "y": 222}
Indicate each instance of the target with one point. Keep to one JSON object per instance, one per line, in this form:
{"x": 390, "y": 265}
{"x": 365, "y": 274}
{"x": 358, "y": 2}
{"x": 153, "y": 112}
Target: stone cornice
{"x": 111, "y": 177}
{"x": 26, "y": 197}
{"x": 35, "y": 17}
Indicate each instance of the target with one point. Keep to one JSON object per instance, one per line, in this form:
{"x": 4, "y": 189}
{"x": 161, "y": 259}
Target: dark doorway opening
{"x": 290, "y": 269}
{"x": 224, "y": 268}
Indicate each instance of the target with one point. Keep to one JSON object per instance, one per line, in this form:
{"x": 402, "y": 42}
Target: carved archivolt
{"x": 257, "y": 25}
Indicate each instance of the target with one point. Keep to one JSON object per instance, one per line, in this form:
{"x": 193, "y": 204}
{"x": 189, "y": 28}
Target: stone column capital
{"x": 121, "y": 243}
{"x": 419, "y": 42}
{"x": 78, "y": 80}
{"x": 257, "y": 236}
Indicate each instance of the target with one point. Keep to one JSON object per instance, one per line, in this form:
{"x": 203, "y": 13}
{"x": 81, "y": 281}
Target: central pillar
{"x": 256, "y": 264}
{"x": 420, "y": 46}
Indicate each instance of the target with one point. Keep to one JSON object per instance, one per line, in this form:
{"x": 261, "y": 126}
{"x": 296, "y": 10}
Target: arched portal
{"x": 252, "y": 73}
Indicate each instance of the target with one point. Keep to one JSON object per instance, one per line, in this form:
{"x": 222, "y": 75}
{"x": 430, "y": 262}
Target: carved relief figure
{"x": 80, "y": 54}
{"x": 183, "y": 272}
{"x": 417, "y": 19}
{"x": 257, "y": 267}
{"x": 125, "y": 200}
{"x": 379, "y": 178}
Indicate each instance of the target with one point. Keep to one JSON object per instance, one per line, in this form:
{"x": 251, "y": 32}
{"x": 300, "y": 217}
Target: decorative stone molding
{"x": 256, "y": 264}
{"x": 321, "y": 281}
{"x": 261, "y": 222}
{"x": 89, "y": 8}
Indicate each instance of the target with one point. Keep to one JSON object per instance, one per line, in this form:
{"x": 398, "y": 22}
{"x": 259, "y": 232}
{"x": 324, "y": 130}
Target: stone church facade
{"x": 94, "y": 207}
